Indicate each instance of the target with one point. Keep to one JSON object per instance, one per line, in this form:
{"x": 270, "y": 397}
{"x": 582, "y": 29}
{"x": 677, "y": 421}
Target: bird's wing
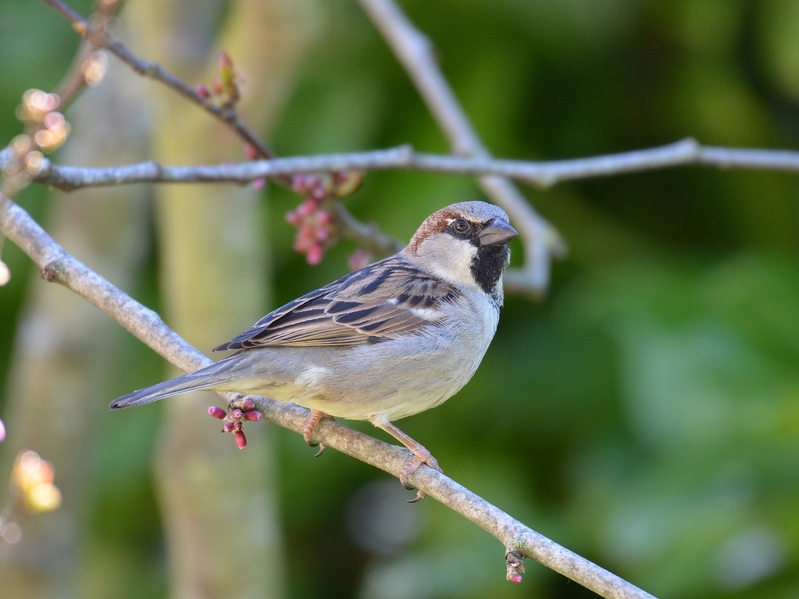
{"x": 379, "y": 302}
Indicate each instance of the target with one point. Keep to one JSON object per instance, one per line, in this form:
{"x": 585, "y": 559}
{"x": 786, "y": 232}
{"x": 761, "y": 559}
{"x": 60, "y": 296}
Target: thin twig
{"x": 415, "y": 52}
{"x": 57, "y": 265}
{"x": 367, "y": 236}
{"x": 155, "y": 71}
{"x": 74, "y": 81}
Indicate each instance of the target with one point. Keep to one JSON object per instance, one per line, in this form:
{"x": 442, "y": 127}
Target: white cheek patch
{"x": 449, "y": 258}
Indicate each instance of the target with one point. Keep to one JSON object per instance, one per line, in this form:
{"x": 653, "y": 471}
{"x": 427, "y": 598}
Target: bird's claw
{"x": 310, "y": 428}
{"x": 412, "y": 466}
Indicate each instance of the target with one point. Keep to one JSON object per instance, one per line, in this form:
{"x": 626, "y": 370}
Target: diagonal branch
{"x": 57, "y": 265}
{"x": 414, "y": 51}
{"x": 155, "y": 71}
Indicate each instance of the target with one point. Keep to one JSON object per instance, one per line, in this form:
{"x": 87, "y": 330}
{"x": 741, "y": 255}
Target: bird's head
{"x": 465, "y": 244}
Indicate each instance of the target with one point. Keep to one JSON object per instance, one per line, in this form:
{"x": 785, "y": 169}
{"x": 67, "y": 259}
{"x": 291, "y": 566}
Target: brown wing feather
{"x": 370, "y": 305}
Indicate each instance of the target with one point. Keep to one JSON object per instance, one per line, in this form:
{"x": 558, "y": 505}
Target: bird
{"x": 389, "y": 340}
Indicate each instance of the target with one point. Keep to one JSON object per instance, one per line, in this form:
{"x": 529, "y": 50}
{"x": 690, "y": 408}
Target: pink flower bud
{"x": 297, "y": 184}
{"x": 314, "y": 254}
{"x": 227, "y": 427}
{"x": 294, "y": 218}
{"x": 217, "y": 412}
{"x": 248, "y": 405}
{"x": 202, "y": 91}
{"x": 236, "y": 413}
{"x": 306, "y": 238}
{"x": 259, "y": 183}
{"x": 307, "y": 207}
{"x": 241, "y": 441}
{"x": 253, "y": 415}
{"x": 515, "y": 578}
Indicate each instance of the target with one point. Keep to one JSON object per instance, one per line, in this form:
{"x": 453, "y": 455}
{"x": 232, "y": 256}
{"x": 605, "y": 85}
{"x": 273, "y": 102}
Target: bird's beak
{"x": 497, "y": 233}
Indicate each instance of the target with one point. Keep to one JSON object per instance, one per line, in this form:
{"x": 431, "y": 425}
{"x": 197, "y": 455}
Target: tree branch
{"x": 543, "y": 174}
{"x": 57, "y": 265}
{"x": 415, "y": 52}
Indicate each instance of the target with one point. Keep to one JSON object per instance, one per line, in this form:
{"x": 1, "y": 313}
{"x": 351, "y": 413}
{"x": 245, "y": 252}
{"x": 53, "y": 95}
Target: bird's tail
{"x": 206, "y": 378}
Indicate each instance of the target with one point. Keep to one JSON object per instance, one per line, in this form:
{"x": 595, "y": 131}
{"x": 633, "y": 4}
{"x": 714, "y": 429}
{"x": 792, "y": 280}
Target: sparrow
{"x": 390, "y": 340}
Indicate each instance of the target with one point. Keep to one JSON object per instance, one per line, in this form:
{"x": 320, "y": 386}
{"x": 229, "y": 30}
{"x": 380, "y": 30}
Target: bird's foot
{"x": 310, "y": 428}
{"x": 239, "y": 409}
{"x": 420, "y": 456}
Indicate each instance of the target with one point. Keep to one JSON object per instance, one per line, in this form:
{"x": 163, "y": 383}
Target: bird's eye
{"x": 460, "y": 225}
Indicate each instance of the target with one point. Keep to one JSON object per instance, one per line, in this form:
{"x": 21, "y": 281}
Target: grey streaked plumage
{"x": 386, "y": 341}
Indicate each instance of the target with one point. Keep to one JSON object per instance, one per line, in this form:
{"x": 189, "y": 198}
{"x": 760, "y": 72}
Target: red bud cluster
{"x": 315, "y": 229}
{"x": 315, "y": 223}
{"x": 233, "y": 419}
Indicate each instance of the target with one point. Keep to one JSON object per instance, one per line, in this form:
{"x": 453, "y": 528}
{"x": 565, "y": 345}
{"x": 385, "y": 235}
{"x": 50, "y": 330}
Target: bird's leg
{"x": 420, "y": 454}
{"x": 310, "y": 427}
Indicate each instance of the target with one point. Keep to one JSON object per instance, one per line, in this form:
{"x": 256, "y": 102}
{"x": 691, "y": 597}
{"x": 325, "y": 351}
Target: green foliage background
{"x": 645, "y": 415}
